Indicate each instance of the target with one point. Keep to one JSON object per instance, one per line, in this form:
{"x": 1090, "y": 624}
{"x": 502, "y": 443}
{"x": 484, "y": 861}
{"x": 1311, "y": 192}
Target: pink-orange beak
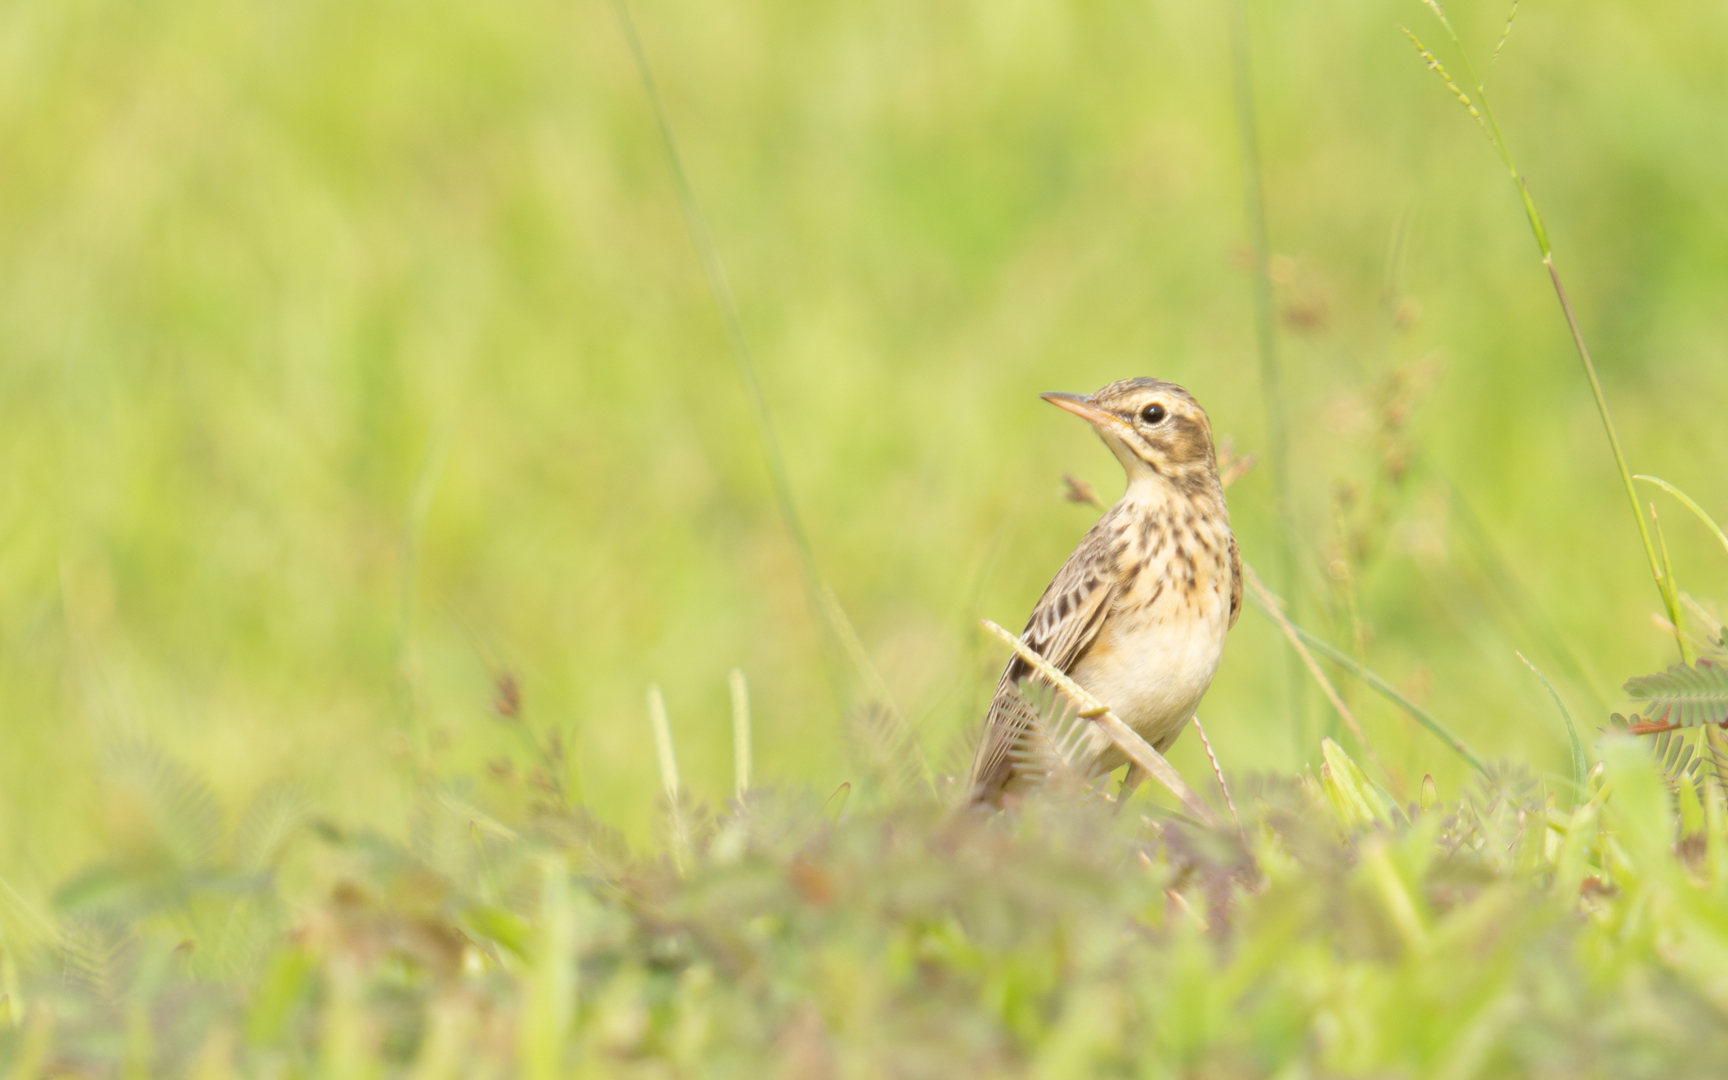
{"x": 1082, "y": 406}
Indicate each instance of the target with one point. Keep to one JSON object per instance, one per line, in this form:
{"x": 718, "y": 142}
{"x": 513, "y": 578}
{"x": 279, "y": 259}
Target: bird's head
{"x": 1155, "y": 428}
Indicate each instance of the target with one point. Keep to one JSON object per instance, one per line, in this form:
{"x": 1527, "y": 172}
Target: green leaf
{"x": 1640, "y": 806}
{"x": 1682, "y": 696}
{"x": 1357, "y": 800}
{"x": 500, "y": 926}
{"x": 286, "y": 988}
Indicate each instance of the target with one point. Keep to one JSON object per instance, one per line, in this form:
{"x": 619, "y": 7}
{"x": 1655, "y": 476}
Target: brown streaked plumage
{"x": 1138, "y": 614}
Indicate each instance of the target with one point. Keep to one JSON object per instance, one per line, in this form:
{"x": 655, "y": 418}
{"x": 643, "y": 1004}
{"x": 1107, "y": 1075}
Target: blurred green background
{"x": 356, "y": 353}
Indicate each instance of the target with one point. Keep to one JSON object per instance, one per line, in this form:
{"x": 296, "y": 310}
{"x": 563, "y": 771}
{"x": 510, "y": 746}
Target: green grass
{"x": 357, "y": 364}
{"x": 1339, "y": 934}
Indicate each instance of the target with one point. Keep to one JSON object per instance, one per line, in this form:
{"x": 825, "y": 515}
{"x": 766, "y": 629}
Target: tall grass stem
{"x": 1491, "y": 128}
{"x": 1266, "y": 339}
{"x": 719, "y": 284}
{"x": 1686, "y": 655}
{"x": 342, "y": 1049}
{"x": 447, "y": 1045}
{"x": 10, "y": 985}
{"x": 663, "y": 750}
{"x": 551, "y": 992}
{"x": 663, "y": 741}
{"x": 740, "y": 732}
{"x": 408, "y": 597}
{"x": 1218, "y": 771}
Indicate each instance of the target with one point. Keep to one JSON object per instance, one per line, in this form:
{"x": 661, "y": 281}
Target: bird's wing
{"x": 1235, "y": 580}
{"x": 1062, "y": 627}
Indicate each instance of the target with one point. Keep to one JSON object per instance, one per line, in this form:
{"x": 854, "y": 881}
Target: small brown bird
{"x": 1138, "y": 614}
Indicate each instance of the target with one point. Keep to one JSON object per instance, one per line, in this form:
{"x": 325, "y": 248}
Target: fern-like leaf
{"x": 1674, "y": 754}
{"x": 155, "y": 802}
{"x": 886, "y": 749}
{"x": 272, "y": 818}
{"x": 1673, "y": 751}
{"x": 1717, "y": 758}
{"x": 1681, "y": 697}
{"x": 1053, "y": 749}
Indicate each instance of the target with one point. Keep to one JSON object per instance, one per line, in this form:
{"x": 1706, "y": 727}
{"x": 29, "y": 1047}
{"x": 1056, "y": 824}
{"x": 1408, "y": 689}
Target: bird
{"x": 1139, "y": 612}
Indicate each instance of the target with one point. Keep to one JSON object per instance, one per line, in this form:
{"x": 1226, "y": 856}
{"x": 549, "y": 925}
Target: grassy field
{"x": 364, "y": 406}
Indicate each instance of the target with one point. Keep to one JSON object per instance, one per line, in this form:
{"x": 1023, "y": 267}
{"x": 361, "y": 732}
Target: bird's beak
{"x": 1082, "y": 407}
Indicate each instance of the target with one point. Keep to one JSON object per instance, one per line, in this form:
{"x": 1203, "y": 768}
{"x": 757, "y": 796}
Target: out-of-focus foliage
{"x": 354, "y": 353}
{"x": 368, "y": 441}
{"x": 1339, "y": 935}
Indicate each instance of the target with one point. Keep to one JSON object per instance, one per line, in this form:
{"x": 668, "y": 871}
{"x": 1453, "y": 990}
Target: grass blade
{"x": 1266, "y": 600}
{"x": 662, "y": 725}
{"x": 740, "y": 731}
{"x": 1580, "y": 767}
{"x": 1266, "y": 336}
{"x": 822, "y": 606}
{"x": 1307, "y": 658}
{"x": 1673, "y": 588}
{"x": 1523, "y": 606}
{"x": 663, "y": 741}
{"x": 1689, "y": 503}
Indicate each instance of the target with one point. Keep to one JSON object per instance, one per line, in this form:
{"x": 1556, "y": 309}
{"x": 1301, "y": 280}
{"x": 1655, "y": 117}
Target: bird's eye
{"x": 1153, "y": 413}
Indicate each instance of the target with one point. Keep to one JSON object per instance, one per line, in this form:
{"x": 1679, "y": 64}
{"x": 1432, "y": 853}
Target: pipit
{"x": 1138, "y": 614}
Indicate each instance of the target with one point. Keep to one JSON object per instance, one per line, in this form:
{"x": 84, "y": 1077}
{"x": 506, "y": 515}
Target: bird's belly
{"x": 1153, "y": 671}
